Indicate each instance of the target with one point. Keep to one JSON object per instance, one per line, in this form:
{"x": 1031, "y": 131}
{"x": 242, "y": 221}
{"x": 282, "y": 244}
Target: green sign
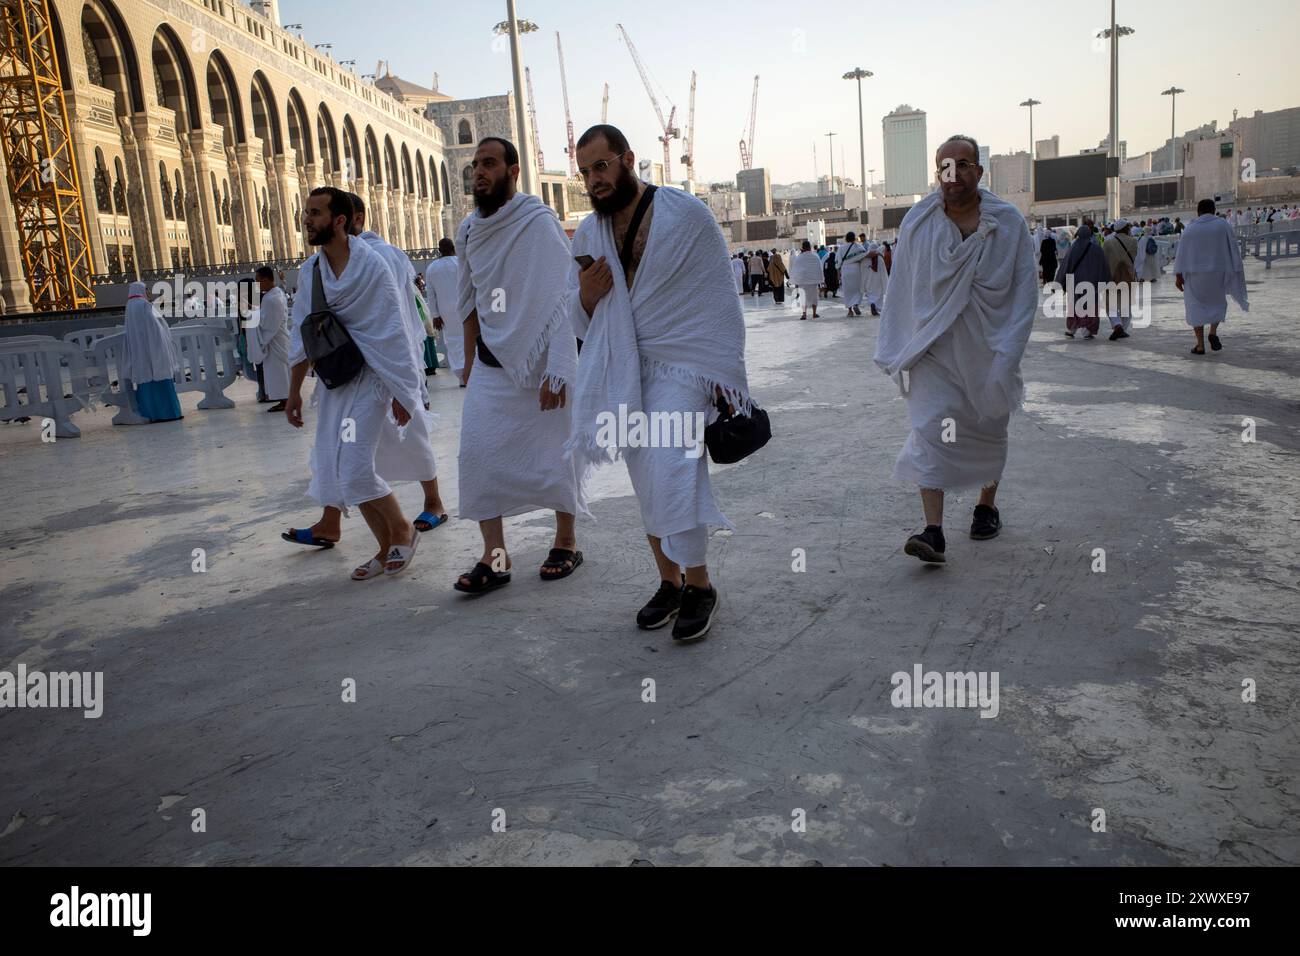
{"x": 1225, "y": 149}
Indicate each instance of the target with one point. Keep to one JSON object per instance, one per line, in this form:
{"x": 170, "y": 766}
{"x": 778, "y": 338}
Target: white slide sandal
{"x": 403, "y": 554}
{"x": 371, "y": 569}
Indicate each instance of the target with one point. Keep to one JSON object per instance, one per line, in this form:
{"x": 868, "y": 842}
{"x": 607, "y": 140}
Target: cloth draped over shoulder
{"x": 148, "y": 353}
{"x": 806, "y": 269}
{"x": 681, "y": 318}
{"x": 513, "y": 268}
{"x": 990, "y": 278}
{"x": 1085, "y": 261}
{"x": 399, "y": 263}
{"x": 1209, "y": 247}
{"x": 365, "y": 299}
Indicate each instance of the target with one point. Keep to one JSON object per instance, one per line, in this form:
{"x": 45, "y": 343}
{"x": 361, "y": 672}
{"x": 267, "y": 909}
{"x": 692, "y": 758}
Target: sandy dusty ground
{"x": 1120, "y": 691}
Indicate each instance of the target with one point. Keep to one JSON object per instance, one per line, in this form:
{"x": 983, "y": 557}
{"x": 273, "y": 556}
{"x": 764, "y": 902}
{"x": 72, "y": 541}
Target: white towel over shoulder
{"x": 681, "y": 318}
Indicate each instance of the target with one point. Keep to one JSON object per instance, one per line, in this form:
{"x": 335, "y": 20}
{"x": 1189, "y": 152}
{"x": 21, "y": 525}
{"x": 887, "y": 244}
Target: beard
{"x": 321, "y": 236}
{"x": 489, "y": 202}
{"x": 624, "y": 192}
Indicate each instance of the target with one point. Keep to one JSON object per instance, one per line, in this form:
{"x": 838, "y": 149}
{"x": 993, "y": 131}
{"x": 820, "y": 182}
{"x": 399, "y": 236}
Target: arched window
{"x": 119, "y": 189}
{"x": 165, "y": 190}
{"x": 225, "y": 202}
{"x": 103, "y": 189}
{"x": 467, "y": 180}
{"x": 464, "y": 135}
{"x": 266, "y": 210}
{"x": 180, "y": 198}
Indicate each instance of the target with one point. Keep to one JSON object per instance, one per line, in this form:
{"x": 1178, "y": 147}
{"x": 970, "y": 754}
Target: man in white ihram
{"x": 662, "y": 333}
{"x": 440, "y": 279}
{"x": 268, "y": 340}
{"x": 962, "y": 301}
{"x": 358, "y": 288}
{"x": 1208, "y": 269}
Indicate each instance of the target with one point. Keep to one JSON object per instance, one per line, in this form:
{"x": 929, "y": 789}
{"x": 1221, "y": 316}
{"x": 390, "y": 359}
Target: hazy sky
{"x": 967, "y": 63}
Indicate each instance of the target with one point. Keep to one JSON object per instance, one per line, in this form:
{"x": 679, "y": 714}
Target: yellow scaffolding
{"x": 43, "y": 182}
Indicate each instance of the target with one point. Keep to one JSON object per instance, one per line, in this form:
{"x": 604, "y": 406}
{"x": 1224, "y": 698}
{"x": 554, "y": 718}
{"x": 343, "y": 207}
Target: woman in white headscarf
{"x": 149, "y": 358}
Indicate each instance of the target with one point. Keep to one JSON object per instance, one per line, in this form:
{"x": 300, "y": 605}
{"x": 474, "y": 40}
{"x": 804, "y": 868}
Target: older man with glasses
{"x": 962, "y": 300}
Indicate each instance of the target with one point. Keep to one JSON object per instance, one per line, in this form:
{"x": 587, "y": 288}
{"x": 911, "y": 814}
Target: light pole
{"x": 513, "y": 26}
{"x": 1172, "y": 93}
{"x": 858, "y": 73}
{"x": 1114, "y": 32}
{"x": 1031, "y": 103}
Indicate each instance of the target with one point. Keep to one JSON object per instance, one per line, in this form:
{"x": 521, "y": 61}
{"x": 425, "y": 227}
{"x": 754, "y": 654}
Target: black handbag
{"x": 733, "y": 437}
{"x": 335, "y": 358}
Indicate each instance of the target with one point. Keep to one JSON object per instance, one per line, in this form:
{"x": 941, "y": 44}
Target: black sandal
{"x": 560, "y": 558}
{"x": 482, "y": 579}
{"x": 1198, "y": 351}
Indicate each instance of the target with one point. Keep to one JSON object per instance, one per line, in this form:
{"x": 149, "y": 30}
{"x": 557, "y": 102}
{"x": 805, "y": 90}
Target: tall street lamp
{"x": 1172, "y": 93}
{"x": 858, "y": 73}
{"x": 1031, "y": 103}
{"x": 830, "y": 148}
{"x": 513, "y": 27}
{"x": 1113, "y": 33}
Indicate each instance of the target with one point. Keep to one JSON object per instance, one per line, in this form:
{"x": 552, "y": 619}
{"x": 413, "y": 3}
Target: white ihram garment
{"x": 268, "y": 344}
{"x": 1209, "y": 260}
{"x": 738, "y": 270}
{"x": 957, "y": 319}
{"x": 513, "y": 269}
{"x": 365, "y": 299}
{"x": 875, "y": 281}
{"x": 440, "y": 278}
{"x": 665, "y": 345}
{"x": 806, "y": 273}
{"x": 406, "y": 454}
{"x": 851, "y": 274}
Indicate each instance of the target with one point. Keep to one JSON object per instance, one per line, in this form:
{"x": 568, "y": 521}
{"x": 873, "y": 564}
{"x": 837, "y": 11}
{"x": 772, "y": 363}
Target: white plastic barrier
{"x": 41, "y": 377}
{"x": 85, "y": 338}
{"x": 103, "y": 375}
{"x": 209, "y": 362}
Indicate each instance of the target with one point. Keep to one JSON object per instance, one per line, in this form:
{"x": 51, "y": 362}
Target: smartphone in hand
{"x": 584, "y": 262}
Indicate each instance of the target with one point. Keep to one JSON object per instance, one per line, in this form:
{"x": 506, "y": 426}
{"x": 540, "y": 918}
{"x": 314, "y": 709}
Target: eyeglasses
{"x": 599, "y": 166}
{"x": 961, "y": 165}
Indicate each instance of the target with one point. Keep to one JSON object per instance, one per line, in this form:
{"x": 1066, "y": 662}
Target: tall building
{"x": 1271, "y": 139}
{"x": 1049, "y": 148}
{"x": 906, "y": 158}
{"x": 986, "y": 181}
{"x": 1010, "y": 173}
{"x": 1164, "y": 160}
{"x": 756, "y": 184}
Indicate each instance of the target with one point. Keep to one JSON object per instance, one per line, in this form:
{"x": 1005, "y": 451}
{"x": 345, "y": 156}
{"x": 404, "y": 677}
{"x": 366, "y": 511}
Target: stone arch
{"x": 446, "y": 185}
{"x": 421, "y": 180}
{"x": 464, "y": 133}
{"x": 266, "y": 118}
{"x": 223, "y": 99}
{"x": 174, "y": 76}
{"x": 390, "y": 164}
{"x": 327, "y": 141}
{"x": 353, "y": 169}
{"x": 433, "y": 180}
{"x": 374, "y": 172}
{"x": 300, "y": 131}
{"x": 408, "y": 181}
{"x": 467, "y": 180}
{"x": 110, "y": 54}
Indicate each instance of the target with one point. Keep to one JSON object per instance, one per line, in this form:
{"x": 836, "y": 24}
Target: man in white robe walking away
{"x": 806, "y": 274}
{"x": 875, "y": 279}
{"x": 521, "y": 359}
{"x": 961, "y": 305}
{"x": 440, "y": 280}
{"x": 738, "y": 272}
{"x": 852, "y": 258}
{"x": 268, "y": 341}
{"x": 664, "y": 340}
{"x": 1207, "y": 270}
{"x": 358, "y": 287}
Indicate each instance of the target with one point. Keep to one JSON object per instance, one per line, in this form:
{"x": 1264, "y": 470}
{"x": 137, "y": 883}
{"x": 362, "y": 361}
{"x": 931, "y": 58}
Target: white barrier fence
{"x": 42, "y": 377}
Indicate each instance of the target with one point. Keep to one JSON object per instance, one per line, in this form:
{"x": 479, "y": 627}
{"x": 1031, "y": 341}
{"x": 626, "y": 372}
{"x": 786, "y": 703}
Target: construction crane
{"x": 604, "y": 106}
{"x": 532, "y": 119}
{"x": 671, "y": 132}
{"x": 568, "y": 120}
{"x": 688, "y": 157}
{"x": 747, "y": 145}
{"x": 53, "y": 232}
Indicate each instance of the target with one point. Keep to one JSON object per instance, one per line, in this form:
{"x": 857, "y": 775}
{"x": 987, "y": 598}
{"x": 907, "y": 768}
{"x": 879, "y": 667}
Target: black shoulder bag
{"x": 335, "y": 357}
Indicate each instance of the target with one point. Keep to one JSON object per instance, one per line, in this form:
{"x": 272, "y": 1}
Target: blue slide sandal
{"x": 304, "y": 536}
{"x": 430, "y": 519}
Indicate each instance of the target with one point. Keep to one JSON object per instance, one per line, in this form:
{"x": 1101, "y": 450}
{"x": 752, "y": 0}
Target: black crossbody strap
{"x": 629, "y": 240}
{"x": 317, "y": 291}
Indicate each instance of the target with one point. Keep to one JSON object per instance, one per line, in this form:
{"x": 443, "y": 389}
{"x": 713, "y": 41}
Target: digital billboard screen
{"x": 1070, "y": 177}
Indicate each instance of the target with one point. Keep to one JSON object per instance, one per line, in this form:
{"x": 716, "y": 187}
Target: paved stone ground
{"x": 1119, "y": 690}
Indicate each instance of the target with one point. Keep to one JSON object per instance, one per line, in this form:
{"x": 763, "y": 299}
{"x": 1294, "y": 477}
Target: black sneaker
{"x": 985, "y": 523}
{"x": 661, "y": 608}
{"x": 696, "y": 614}
{"x": 929, "y": 545}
